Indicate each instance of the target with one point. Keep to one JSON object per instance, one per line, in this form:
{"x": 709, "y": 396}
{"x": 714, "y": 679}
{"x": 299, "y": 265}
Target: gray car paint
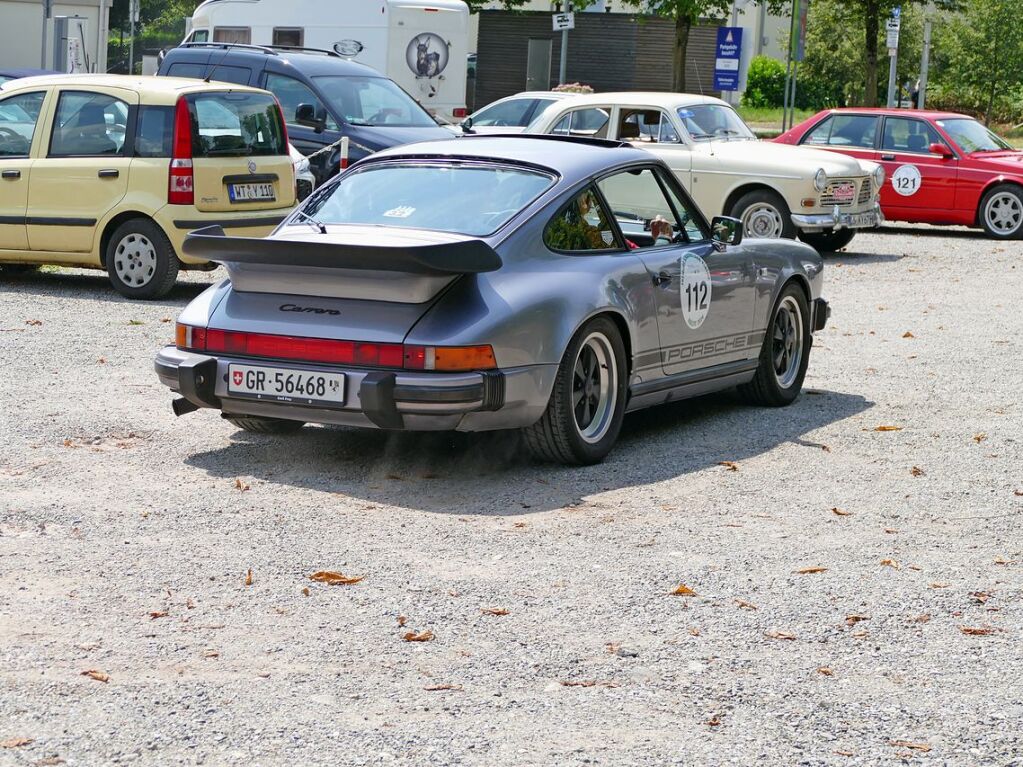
{"x": 531, "y": 307}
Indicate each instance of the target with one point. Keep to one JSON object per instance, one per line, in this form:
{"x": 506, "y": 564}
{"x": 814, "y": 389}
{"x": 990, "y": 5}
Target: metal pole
{"x": 925, "y": 59}
{"x": 46, "y": 17}
{"x": 785, "y": 98}
{"x": 102, "y": 38}
{"x": 893, "y": 61}
{"x": 563, "y": 68}
{"x": 132, "y": 5}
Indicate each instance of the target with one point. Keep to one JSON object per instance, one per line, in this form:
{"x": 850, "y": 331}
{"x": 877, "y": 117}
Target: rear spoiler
{"x": 458, "y": 257}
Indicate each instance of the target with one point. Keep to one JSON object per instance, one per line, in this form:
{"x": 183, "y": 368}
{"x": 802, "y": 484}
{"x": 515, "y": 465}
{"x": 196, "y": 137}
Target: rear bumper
{"x": 836, "y": 219}
{"x": 399, "y": 400}
{"x": 178, "y": 220}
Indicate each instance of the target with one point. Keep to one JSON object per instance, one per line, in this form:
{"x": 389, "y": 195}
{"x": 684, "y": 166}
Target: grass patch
{"x": 762, "y": 117}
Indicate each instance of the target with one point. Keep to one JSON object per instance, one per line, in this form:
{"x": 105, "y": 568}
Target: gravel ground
{"x": 127, "y": 538}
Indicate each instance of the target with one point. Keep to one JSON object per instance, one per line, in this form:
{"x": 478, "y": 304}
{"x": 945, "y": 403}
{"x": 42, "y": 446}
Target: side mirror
{"x": 941, "y": 149}
{"x": 466, "y": 125}
{"x": 724, "y": 231}
{"x": 306, "y": 114}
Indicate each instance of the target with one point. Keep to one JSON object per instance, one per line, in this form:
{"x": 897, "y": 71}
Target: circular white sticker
{"x": 695, "y": 286}
{"x": 906, "y": 180}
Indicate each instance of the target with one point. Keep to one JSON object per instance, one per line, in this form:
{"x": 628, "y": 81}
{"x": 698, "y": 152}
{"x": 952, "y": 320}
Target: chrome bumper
{"x": 836, "y": 220}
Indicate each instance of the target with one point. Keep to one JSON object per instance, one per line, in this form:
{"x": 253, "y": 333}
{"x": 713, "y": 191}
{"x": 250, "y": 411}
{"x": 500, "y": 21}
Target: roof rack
{"x": 241, "y": 46}
{"x": 301, "y": 49}
{"x": 584, "y": 140}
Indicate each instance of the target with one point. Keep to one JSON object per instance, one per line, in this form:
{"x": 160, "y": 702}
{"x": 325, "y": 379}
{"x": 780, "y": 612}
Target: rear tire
{"x": 785, "y": 353}
{"x": 764, "y": 214}
{"x": 1001, "y": 212}
{"x": 260, "y": 425}
{"x": 828, "y": 242}
{"x": 587, "y": 406}
{"x": 141, "y": 261}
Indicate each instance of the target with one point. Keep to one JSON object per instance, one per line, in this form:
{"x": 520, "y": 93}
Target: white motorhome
{"x": 420, "y": 44}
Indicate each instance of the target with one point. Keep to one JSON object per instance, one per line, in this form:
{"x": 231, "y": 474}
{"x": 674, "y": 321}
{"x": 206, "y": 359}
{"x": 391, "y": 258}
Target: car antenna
{"x": 227, "y": 50}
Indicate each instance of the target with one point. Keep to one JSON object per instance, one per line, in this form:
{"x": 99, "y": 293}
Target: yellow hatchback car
{"x": 113, "y": 171}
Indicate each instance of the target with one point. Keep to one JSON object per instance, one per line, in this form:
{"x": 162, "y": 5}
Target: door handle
{"x": 887, "y": 157}
{"x": 11, "y": 174}
{"x": 109, "y": 173}
{"x": 662, "y": 279}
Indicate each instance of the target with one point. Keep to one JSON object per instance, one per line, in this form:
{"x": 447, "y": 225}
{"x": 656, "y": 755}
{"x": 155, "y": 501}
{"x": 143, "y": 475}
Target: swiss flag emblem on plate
{"x": 238, "y": 376}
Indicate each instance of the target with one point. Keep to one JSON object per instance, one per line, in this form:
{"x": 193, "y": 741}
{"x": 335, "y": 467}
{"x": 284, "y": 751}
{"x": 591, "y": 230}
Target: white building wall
{"x": 21, "y": 32}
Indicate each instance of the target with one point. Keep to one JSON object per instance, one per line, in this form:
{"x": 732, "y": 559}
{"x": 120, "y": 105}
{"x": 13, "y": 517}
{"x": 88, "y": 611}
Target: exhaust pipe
{"x": 182, "y": 406}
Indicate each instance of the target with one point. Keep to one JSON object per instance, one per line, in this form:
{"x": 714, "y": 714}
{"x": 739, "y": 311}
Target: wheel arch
{"x": 624, "y": 330}
{"x": 998, "y": 181}
{"x": 111, "y": 226}
{"x": 745, "y": 188}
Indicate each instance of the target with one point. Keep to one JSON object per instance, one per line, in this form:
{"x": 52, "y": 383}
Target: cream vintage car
{"x": 776, "y": 190}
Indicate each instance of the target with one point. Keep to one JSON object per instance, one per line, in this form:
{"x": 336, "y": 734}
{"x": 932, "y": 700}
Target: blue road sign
{"x": 726, "y": 59}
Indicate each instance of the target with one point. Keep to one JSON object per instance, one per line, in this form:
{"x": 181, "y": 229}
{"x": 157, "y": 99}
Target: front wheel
{"x": 829, "y": 241}
{"x": 1001, "y": 212}
{"x": 585, "y": 412}
{"x": 764, "y": 214}
{"x": 140, "y": 260}
{"x": 785, "y": 353}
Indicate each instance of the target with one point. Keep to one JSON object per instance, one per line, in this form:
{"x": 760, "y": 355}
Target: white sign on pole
{"x": 563, "y": 21}
{"x": 75, "y": 56}
{"x": 892, "y": 28}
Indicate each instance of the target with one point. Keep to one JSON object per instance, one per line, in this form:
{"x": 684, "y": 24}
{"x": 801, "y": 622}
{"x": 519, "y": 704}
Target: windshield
{"x": 706, "y": 122}
{"x": 236, "y": 125}
{"x": 971, "y": 136}
{"x": 466, "y": 199}
{"x": 374, "y": 101}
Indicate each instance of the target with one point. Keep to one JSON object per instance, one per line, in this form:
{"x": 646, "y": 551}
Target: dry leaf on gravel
{"x": 239, "y": 485}
{"x": 891, "y": 531}
{"x": 890, "y": 563}
{"x": 494, "y": 611}
{"x": 439, "y": 687}
{"x": 852, "y": 620}
{"x": 99, "y": 676}
{"x": 843, "y": 752}
{"x": 939, "y": 585}
{"x": 745, "y": 605}
{"x": 33, "y": 322}
{"x": 979, "y": 631}
{"x": 887, "y": 428}
{"x": 158, "y": 614}
{"x": 916, "y": 471}
{"x": 908, "y": 334}
{"x": 714, "y": 721}
{"x": 779, "y": 635}
{"x": 924, "y": 618}
{"x": 1003, "y": 561}
{"x": 978, "y": 438}
{"x": 694, "y": 632}
{"x": 305, "y": 591}
{"x": 730, "y": 465}
{"x": 924, "y": 747}
{"x": 810, "y": 570}
{"x": 586, "y": 683}
{"x": 333, "y": 578}
{"x": 49, "y": 761}
{"x": 210, "y": 653}
{"x": 15, "y": 742}
{"x": 683, "y": 591}
{"x": 980, "y": 596}
{"x": 402, "y": 620}
{"x": 841, "y": 512}
{"x": 248, "y": 577}
{"x": 1017, "y": 492}
{"x": 412, "y": 636}
{"x": 825, "y": 671}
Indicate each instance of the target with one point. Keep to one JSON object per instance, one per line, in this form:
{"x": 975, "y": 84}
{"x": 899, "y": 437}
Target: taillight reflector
{"x": 459, "y": 112}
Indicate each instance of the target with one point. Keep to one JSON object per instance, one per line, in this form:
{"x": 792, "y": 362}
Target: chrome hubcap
{"x": 594, "y": 388}
{"x": 762, "y": 220}
{"x": 135, "y": 260}
{"x": 787, "y": 342}
{"x": 1004, "y": 213}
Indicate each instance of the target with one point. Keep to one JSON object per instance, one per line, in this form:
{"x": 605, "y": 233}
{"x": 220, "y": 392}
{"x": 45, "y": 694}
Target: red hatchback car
{"x": 941, "y": 167}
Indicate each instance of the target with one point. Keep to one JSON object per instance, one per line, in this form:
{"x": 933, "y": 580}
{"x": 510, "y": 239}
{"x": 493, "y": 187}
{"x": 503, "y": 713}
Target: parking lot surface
{"x": 855, "y": 558}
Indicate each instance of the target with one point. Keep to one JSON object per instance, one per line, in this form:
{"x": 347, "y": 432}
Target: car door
{"x": 83, "y": 171}
{"x": 917, "y": 182}
{"x": 704, "y": 297}
{"x": 20, "y": 125}
{"x": 654, "y": 130}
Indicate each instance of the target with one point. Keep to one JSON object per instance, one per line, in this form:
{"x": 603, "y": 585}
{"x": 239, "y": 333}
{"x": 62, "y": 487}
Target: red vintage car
{"x": 941, "y": 167}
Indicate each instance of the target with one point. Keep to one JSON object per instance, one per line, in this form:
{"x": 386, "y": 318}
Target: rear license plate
{"x": 301, "y": 387}
{"x": 862, "y": 219}
{"x": 251, "y": 192}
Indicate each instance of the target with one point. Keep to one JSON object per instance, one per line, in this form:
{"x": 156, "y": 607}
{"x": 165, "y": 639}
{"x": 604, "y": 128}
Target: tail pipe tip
{"x": 182, "y": 406}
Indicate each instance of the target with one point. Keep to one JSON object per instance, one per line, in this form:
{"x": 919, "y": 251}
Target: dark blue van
{"x": 323, "y": 95}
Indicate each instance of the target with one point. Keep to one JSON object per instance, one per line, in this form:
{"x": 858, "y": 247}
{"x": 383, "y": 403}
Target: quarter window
{"x": 582, "y": 225}
{"x": 590, "y": 122}
{"x": 154, "y": 131}
{"x": 18, "y": 118}
{"x": 88, "y": 125}
{"x": 908, "y": 135}
{"x": 646, "y": 125}
{"x": 844, "y": 130}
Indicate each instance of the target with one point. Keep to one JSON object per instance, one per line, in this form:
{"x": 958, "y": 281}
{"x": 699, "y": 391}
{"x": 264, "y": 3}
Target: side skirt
{"x": 690, "y": 384}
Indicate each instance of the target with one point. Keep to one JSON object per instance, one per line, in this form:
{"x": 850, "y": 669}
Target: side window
{"x": 649, "y": 125}
{"x": 291, "y": 93}
{"x": 288, "y": 36}
{"x": 589, "y": 121}
{"x": 154, "y": 132}
{"x": 509, "y": 113}
{"x": 903, "y": 134}
{"x": 236, "y": 35}
{"x": 685, "y": 212}
{"x": 219, "y": 72}
{"x": 639, "y": 205}
{"x": 88, "y": 125}
{"x": 18, "y": 118}
{"x": 199, "y": 36}
{"x": 845, "y": 131}
{"x": 582, "y": 225}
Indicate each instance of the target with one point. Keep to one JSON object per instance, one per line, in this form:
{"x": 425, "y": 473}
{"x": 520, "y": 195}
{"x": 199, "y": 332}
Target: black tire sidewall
{"x": 788, "y": 229}
{"x": 779, "y": 395}
{"x": 166, "y": 260}
{"x": 828, "y": 242}
{"x": 1011, "y": 188}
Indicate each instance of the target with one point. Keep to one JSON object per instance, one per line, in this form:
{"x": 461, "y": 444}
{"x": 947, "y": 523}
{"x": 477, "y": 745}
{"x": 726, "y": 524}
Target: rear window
{"x": 465, "y": 199}
{"x": 236, "y": 125}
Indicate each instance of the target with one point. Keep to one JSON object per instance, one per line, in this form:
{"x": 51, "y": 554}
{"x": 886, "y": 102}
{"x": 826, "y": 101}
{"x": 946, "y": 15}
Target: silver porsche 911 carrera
{"x": 547, "y": 284}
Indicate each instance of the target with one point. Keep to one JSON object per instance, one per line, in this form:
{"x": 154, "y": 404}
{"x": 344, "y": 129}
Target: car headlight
{"x": 878, "y": 176}
{"x": 820, "y": 180}
{"x": 302, "y": 166}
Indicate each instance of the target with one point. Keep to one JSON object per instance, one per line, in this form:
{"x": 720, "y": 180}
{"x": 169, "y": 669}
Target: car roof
{"x": 19, "y": 72}
{"x": 149, "y": 87}
{"x": 927, "y": 114}
{"x": 571, "y": 158}
{"x": 311, "y": 63}
{"x": 643, "y": 98}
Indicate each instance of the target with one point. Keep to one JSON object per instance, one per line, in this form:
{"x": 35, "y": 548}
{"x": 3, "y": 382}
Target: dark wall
{"x": 608, "y": 51}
